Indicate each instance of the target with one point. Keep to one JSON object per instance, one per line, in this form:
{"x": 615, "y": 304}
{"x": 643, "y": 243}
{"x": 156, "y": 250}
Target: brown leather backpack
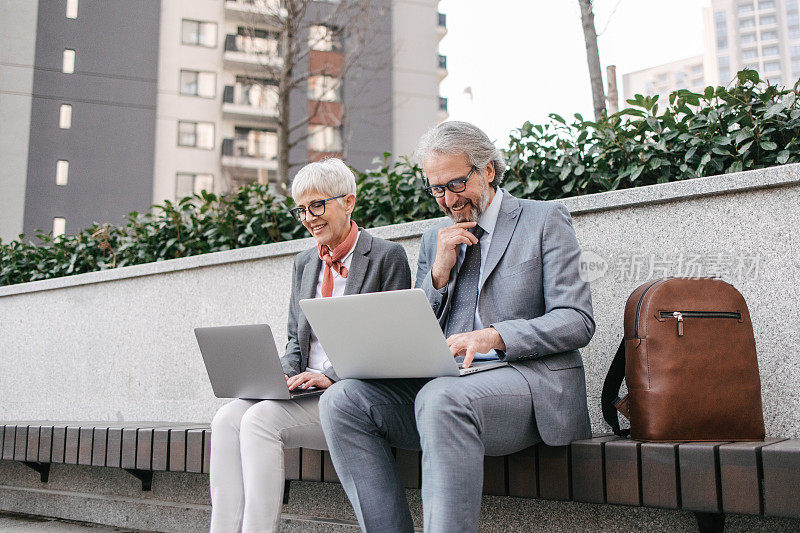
{"x": 688, "y": 358}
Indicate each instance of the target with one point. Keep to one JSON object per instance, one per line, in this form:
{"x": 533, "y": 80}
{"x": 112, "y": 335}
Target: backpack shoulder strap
{"x": 609, "y": 400}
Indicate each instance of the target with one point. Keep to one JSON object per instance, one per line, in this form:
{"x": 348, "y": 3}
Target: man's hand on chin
{"x": 474, "y": 342}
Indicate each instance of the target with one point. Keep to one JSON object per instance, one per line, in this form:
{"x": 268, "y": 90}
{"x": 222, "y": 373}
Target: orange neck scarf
{"x": 333, "y": 260}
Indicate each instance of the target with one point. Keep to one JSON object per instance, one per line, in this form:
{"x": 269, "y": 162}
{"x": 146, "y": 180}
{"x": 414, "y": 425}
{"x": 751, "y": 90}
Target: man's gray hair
{"x": 456, "y": 137}
{"x": 330, "y": 177}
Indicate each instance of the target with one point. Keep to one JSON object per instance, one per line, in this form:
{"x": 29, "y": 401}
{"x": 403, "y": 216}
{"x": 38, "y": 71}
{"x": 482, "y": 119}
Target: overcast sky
{"x": 526, "y": 58}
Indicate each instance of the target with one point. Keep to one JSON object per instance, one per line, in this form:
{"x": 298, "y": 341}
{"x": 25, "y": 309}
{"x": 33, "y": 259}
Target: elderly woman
{"x": 247, "y": 473}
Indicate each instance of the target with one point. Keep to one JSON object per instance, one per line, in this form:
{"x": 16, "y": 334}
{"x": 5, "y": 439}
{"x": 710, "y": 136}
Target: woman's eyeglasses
{"x": 316, "y": 208}
{"x": 455, "y": 185}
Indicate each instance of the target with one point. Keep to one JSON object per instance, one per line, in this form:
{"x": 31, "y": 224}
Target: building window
{"x": 772, "y": 66}
{"x": 795, "y": 67}
{"x": 769, "y": 51}
{"x": 196, "y": 134}
{"x": 260, "y": 144}
{"x": 256, "y": 41}
{"x": 324, "y": 138}
{"x": 194, "y": 83}
{"x": 68, "y": 62}
{"x": 72, "y": 9}
{"x": 750, "y": 66}
{"x": 259, "y": 93}
{"x": 744, "y": 8}
{"x": 750, "y": 53}
{"x": 795, "y": 51}
{"x": 722, "y": 43}
{"x": 187, "y": 184}
{"x": 769, "y": 35}
{"x": 747, "y": 38}
{"x": 65, "y": 117}
{"x": 198, "y": 33}
{"x": 767, "y": 20}
{"x": 766, "y": 4}
{"x": 59, "y": 226}
{"x": 62, "y": 172}
{"x": 324, "y": 39}
{"x": 325, "y": 88}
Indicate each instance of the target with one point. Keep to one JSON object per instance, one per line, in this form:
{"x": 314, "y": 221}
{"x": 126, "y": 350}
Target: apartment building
{"x": 114, "y": 106}
{"x": 762, "y": 35}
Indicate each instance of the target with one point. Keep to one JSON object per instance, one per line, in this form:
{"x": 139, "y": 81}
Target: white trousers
{"x": 247, "y": 473}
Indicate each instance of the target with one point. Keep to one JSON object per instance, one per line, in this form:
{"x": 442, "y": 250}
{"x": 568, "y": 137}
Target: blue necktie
{"x": 465, "y": 293}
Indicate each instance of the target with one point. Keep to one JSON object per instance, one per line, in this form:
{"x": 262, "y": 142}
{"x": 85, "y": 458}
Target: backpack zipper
{"x": 679, "y": 315}
{"x": 639, "y": 308}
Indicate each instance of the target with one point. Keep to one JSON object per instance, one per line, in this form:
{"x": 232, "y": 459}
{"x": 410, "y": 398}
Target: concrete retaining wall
{"x": 118, "y": 345}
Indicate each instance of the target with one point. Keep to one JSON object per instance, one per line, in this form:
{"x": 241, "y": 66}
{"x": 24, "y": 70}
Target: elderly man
{"x": 502, "y": 278}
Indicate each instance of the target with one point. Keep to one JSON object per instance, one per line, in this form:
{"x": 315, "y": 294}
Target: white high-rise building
{"x": 762, "y": 35}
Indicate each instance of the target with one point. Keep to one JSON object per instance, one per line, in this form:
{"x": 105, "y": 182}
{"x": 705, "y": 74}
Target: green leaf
{"x": 783, "y": 157}
{"x": 768, "y": 145}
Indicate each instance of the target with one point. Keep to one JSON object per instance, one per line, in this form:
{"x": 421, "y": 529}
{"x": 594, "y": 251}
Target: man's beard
{"x": 475, "y": 211}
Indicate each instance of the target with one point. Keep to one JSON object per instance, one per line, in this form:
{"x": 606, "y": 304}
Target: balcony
{"x": 442, "y": 67}
{"x": 245, "y": 51}
{"x": 248, "y": 101}
{"x": 246, "y": 154}
{"x": 268, "y": 11}
{"x": 441, "y": 24}
{"x": 443, "y": 109}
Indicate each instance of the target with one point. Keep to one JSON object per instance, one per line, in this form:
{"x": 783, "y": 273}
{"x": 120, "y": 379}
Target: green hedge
{"x": 749, "y": 125}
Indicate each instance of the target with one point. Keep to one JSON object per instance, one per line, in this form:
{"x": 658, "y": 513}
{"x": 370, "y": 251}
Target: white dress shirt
{"x": 317, "y": 358}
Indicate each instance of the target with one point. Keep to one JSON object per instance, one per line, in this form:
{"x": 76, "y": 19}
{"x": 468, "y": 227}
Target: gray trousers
{"x": 455, "y": 421}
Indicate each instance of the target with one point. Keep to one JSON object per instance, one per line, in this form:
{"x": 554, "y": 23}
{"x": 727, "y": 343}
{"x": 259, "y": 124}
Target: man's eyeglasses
{"x": 455, "y": 185}
{"x": 316, "y": 208}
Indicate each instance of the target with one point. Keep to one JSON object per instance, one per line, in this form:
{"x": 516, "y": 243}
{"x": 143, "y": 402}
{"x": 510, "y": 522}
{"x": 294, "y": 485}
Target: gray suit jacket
{"x": 377, "y": 265}
{"x": 533, "y": 296}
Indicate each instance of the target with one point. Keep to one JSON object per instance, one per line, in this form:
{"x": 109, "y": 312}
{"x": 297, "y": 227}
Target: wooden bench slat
{"x": 160, "y": 458}
{"x": 114, "y": 447}
{"x": 291, "y": 463}
{"x": 8, "y": 442}
{"x": 128, "y": 457}
{"x": 781, "y": 464}
{"x": 71, "y": 443}
{"x": 522, "y": 476}
{"x": 177, "y": 450}
{"x": 622, "y": 472}
{"x": 21, "y": 443}
{"x": 59, "y": 442}
{"x": 494, "y": 476}
{"x": 554, "y": 472}
{"x": 206, "y": 451}
{"x": 32, "y": 448}
{"x": 144, "y": 448}
{"x": 740, "y": 469}
{"x": 45, "y": 443}
{"x": 194, "y": 450}
{"x": 311, "y": 461}
{"x": 99, "y": 446}
{"x": 698, "y": 472}
{"x": 328, "y": 470}
{"x": 85, "y": 443}
{"x": 659, "y": 465}
{"x": 588, "y": 472}
{"x": 409, "y": 466}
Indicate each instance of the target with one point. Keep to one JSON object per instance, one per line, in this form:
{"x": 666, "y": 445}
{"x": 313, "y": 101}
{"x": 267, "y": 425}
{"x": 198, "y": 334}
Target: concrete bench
{"x": 709, "y": 479}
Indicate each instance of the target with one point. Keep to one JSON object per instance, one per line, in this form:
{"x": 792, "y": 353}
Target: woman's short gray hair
{"x": 456, "y": 137}
{"x": 330, "y": 176}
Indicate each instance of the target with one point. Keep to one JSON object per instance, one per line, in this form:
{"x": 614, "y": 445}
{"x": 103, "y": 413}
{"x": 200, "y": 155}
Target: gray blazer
{"x": 377, "y": 265}
{"x": 533, "y": 296}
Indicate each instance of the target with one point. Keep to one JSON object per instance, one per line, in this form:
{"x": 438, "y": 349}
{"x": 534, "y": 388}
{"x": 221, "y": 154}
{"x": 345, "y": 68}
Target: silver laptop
{"x": 242, "y": 362}
{"x": 391, "y": 334}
